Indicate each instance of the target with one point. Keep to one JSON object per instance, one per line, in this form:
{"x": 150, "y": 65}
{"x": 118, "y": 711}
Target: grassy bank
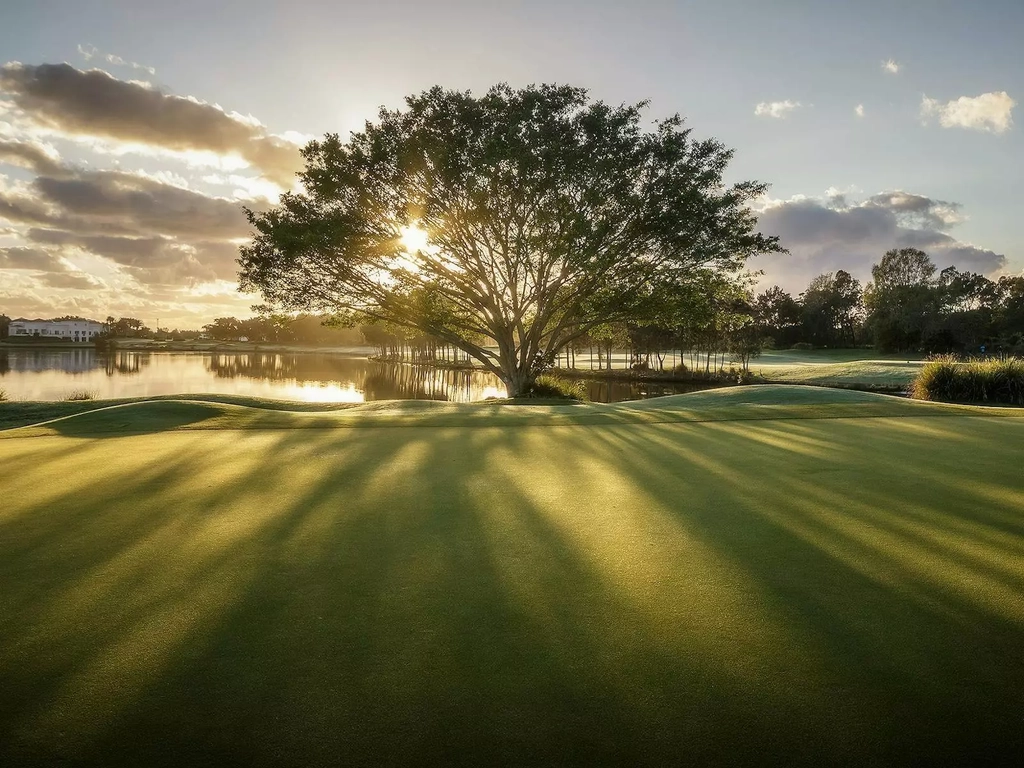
{"x": 732, "y": 577}
{"x": 856, "y": 368}
{"x": 859, "y": 369}
{"x": 216, "y": 412}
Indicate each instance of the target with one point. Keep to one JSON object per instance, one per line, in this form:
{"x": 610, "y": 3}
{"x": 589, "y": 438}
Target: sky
{"x": 132, "y": 133}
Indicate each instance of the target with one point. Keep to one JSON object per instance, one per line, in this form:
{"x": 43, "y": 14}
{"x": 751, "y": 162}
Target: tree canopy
{"x": 507, "y": 225}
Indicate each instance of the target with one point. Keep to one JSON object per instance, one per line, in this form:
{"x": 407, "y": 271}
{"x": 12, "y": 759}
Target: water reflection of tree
{"x": 274, "y": 367}
{"x": 376, "y": 380}
{"x": 412, "y": 382}
{"x": 123, "y": 363}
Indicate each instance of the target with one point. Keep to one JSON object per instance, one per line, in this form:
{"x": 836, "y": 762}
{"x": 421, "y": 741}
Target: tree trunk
{"x": 517, "y": 383}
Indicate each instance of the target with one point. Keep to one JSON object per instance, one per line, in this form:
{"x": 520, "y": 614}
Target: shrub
{"x": 547, "y": 385}
{"x": 947, "y": 379}
{"x": 78, "y": 395}
{"x": 802, "y": 345}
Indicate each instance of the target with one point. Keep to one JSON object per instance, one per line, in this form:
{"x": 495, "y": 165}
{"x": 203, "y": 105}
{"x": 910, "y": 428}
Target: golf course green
{"x": 762, "y": 575}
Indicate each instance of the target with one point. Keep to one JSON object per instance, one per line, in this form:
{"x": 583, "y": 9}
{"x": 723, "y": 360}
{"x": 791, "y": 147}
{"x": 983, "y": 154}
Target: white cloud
{"x": 859, "y": 110}
{"x": 991, "y": 112}
{"x": 93, "y": 104}
{"x": 247, "y": 187}
{"x": 776, "y": 109}
{"x": 89, "y": 52}
{"x": 891, "y": 66}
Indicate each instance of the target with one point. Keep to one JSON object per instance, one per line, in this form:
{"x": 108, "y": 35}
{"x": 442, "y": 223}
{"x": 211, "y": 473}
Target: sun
{"x": 414, "y": 238}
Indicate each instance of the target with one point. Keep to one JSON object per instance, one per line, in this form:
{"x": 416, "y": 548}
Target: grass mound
{"x": 947, "y": 379}
{"x": 787, "y": 590}
{"x": 199, "y": 412}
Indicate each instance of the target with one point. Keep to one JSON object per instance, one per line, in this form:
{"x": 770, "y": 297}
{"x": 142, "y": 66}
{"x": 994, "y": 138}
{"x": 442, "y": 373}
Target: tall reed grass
{"x": 548, "y": 385}
{"x": 77, "y": 395}
{"x": 947, "y": 379}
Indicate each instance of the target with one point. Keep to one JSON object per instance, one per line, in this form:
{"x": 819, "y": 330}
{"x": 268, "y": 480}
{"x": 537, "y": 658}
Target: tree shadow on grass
{"x": 645, "y": 595}
{"x": 136, "y": 419}
{"x": 904, "y": 584}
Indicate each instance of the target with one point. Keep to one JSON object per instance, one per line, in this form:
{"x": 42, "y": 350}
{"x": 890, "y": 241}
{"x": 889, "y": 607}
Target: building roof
{"x": 51, "y": 320}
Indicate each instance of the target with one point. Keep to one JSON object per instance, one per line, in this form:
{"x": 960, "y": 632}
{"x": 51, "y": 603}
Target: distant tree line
{"x": 908, "y": 305}
{"x": 283, "y": 329}
{"x": 391, "y": 342}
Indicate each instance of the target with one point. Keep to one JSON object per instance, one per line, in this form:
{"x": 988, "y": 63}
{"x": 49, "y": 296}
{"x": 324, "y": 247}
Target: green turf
{"x": 839, "y": 367}
{"x": 663, "y": 585}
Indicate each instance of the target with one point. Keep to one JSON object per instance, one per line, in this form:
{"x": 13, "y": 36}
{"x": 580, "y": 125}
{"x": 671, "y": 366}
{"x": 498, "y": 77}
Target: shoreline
{"x": 123, "y": 345}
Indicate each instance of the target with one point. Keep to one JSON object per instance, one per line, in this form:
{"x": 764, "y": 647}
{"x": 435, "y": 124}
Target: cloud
{"x": 34, "y": 155}
{"x": 824, "y": 235}
{"x": 152, "y": 260}
{"x": 78, "y": 281}
{"x": 90, "y": 52}
{"x": 20, "y": 257}
{"x": 147, "y": 226}
{"x": 859, "y": 110}
{"x": 918, "y": 210}
{"x": 776, "y": 109}
{"x": 130, "y": 202}
{"x": 73, "y": 102}
{"x": 891, "y": 66}
{"x": 990, "y": 112}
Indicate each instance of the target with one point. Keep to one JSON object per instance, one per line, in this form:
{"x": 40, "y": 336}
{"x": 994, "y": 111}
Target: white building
{"x": 63, "y": 330}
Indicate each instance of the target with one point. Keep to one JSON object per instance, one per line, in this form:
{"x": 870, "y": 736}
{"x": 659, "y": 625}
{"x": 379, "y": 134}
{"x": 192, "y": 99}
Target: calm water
{"x": 53, "y": 374}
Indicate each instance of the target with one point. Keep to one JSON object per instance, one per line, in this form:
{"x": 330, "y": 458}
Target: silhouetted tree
{"x": 529, "y": 217}
{"x": 900, "y": 299}
{"x": 832, "y": 305}
{"x": 124, "y": 327}
{"x": 779, "y": 315}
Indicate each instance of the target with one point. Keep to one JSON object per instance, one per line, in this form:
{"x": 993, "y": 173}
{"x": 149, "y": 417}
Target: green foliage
{"x": 545, "y": 214}
{"x": 948, "y": 379}
{"x": 901, "y": 301}
{"x": 279, "y": 329}
{"x": 831, "y": 309}
{"x": 803, "y": 346}
{"x": 779, "y": 315}
{"x": 547, "y": 385}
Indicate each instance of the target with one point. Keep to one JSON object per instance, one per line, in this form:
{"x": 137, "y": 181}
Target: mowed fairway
{"x": 784, "y": 588}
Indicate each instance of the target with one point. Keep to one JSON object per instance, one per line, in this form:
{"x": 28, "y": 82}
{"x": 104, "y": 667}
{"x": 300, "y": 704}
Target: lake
{"x": 54, "y": 374}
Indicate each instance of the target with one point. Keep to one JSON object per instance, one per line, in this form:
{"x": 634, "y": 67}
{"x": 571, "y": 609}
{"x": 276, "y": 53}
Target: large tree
{"x": 901, "y": 300}
{"x": 506, "y": 225}
{"x": 832, "y": 306}
{"x": 779, "y": 315}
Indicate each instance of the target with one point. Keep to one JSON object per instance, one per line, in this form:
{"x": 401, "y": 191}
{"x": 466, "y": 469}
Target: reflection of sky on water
{"x": 322, "y": 393}
{"x": 53, "y": 374}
